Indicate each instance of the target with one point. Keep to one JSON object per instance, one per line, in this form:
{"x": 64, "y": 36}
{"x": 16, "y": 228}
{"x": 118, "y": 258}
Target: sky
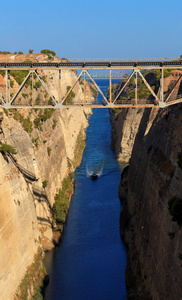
{"x": 93, "y": 29}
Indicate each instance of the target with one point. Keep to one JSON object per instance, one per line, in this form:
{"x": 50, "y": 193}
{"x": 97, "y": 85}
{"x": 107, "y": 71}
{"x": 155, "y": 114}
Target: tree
{"x": 5, "y": 148}
{"x": 31, "y": 51}
{"x": 48, "y": 52}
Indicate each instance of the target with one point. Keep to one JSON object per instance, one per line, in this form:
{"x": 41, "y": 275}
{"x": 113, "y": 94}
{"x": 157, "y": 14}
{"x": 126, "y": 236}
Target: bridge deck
{"x": 91, "y": 65}
{"x": 8, "y": 101}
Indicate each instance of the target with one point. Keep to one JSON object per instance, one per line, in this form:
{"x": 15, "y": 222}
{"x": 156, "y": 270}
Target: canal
{"x": 90, "y": 263}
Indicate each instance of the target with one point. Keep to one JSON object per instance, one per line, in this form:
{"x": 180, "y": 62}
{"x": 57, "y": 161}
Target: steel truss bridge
{"x": 85, "y": 69}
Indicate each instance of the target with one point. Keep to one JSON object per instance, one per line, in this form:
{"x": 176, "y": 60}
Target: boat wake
{"x": 95, "y": 172}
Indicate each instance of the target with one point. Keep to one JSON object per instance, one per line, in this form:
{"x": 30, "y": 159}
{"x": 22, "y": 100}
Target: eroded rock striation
{"x": 152, "y": 178}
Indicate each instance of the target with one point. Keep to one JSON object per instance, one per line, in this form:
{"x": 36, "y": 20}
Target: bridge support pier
{"x": 59, "y": 79}
{"x": 162, "y": 85}
{"x": 136, "y": 87}
{"x": 33, "y": 98}
{"x": 7, "y": 86}
{"x": 84, "y": 88}
{"x": 110, "y": 86}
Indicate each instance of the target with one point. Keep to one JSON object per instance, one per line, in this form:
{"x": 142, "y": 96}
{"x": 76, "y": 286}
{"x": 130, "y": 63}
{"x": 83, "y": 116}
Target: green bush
{"x": 2, "y": 72}
{"x": 54, "y": 123}
{"x": 4, "y": 148}
{"x": 11, "y": 83}
{"x": 37, "y": 84}
{"x": 19, "y": 76}
{"x": 43, "y": 116}
{"x": 37, "y": 100}
{"x": 6, "y": 111}
{"x": 5, "y": 52}
{"x": 28, "y": 83}
{"x": 35, "y": 141}
{"x": 61, "y": 204}
{"x": 44, "y": 183}
{"x": 26, "y": 122}
{"x": 71, "y": 95}
{"x": 47, "y": 114}
{"x": 49, "y": 151}
{"x": 37, "y": 122}
{"x": 175, "y": 209}
{"x": 25, "y": 95}
{"x": 50, "y": 101}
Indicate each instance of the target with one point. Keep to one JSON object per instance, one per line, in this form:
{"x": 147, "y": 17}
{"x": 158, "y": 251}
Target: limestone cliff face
{"x": 44, "y": 153}
{"x": 19, "y": 235}
{"x": 152, "y": 178}
{"x": 124, "y": 130}
{"x": 25, "y": 206}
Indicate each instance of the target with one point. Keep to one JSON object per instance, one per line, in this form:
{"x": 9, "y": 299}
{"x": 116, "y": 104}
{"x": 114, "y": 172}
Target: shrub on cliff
{"x": 43, "y": 116}
{"x": 4, "y": 148}
{"x": 44, "y": 183}
{"x": 26, "y": 122}
{"x": 19, "y": 75}
{"x": 61, "y": 204}
{"x": 71, "y": 95}
{"x": 175, "y": 209}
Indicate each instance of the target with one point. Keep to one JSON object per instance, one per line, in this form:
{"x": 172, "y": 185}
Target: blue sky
{"x": 94, "y": 29}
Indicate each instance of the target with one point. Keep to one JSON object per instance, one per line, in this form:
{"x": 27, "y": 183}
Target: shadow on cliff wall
{"x": 40, "y": 196}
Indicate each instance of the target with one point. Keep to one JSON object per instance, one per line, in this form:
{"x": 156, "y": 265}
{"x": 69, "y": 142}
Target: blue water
{"x": 90, "y": 263}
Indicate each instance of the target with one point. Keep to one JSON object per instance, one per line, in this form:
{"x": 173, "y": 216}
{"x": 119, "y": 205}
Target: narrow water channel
{"x": 90, "y": 263}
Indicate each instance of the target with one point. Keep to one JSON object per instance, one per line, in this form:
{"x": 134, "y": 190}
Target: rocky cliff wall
{"x": 151, "y": 180}
{"x": 45, "y": 141}
{"x": 124, "y": 129}
{"x": 26, "y": 217}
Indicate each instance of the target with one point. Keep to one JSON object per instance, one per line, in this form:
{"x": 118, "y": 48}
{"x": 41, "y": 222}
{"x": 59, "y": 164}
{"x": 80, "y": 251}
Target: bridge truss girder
{"x": 60, "y": 102}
